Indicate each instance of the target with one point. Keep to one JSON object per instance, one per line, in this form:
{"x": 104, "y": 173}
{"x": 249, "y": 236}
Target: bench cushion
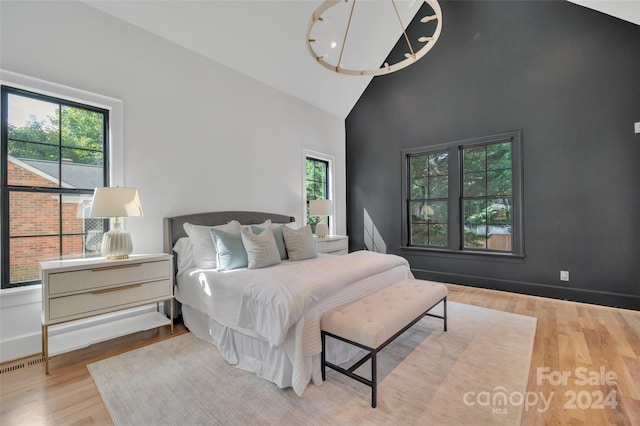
{"x": 372, "y": 320}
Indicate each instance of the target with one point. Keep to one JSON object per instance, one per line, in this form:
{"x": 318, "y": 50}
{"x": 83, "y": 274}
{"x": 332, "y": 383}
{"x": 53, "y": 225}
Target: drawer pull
{"x": 109, "y": 290}
{"x": 107, "y": 268}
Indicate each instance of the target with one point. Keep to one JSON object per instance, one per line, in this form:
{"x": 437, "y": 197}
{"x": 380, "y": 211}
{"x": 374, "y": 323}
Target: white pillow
{"x": 204, "y": 250}
{"x": 264, "y": 224}
{"x": 300, "y": 243}
{"x": 262, "y": 250}
{"x": 184, "y": 249}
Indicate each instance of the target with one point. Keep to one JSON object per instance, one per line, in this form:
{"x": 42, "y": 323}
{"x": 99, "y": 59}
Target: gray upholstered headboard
{"x": 173, "y": 226}
{"x": 173, "y": 229}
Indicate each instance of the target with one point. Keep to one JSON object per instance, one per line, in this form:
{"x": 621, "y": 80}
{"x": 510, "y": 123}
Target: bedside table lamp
{"x": 116, "y": 202}
{"x": 320, "y": 208}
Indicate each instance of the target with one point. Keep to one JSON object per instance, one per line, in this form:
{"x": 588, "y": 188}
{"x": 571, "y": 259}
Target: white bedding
{"x": 279, "y": 308}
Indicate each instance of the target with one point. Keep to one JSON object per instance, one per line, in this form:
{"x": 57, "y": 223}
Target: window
{"x": 465, "y": 196}
{"x": 487, "y": 196}
{"x": 317, "y": 186}
{"x": 429, "y": 199}
{"x": 54, "y": 153}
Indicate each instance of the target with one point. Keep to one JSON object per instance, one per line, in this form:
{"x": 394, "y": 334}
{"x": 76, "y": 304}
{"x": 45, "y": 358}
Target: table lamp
{"x": 320, "y": 208}
{"x": 116, "y": 202}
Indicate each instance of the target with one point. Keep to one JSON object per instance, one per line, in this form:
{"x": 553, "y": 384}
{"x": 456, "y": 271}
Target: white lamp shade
{"x": 320, "y": 207}
{"x": 116, "y": 202}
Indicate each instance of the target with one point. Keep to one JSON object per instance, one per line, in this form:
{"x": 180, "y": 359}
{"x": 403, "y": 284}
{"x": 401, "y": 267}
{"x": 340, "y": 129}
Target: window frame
{"x": 428, "y": 198}
{"x": 329, "y": 161}
{"x": 61, "y": 191}
{"x": 455, "y": 200}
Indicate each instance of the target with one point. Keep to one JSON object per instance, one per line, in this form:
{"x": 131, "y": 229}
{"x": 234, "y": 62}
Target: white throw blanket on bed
{"x": 280, "y": 306}
{"x": 279, "y": 298}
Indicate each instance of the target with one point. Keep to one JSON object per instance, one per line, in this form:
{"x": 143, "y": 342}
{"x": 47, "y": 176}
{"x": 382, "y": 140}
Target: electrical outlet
{"x": 564, "y": 275}
{"x": 636, "y": 126}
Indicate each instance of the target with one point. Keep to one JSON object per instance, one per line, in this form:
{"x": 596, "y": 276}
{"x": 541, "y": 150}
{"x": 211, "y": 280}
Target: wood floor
{"x": 590, "y": 343}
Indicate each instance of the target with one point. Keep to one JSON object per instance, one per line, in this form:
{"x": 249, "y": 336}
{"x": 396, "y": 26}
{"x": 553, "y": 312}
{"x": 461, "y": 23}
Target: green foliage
{"x": 429, "y": 234}
{"x": 429, "y": 176}
{"x": 487, "y": 188}
{"x": 429, "y": 186}
{"x": 78, "y": 133}
{"x": 316, "y": 177}
{"x": 487, "y": 170}
{"x": 486, "y": 191}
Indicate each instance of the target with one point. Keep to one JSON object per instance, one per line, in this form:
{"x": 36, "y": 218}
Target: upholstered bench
{"x": 374, "y": 321}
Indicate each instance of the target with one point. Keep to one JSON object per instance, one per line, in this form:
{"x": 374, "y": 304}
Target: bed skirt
{"x": 296, "y": 362}
{"x": 257, "y": 356}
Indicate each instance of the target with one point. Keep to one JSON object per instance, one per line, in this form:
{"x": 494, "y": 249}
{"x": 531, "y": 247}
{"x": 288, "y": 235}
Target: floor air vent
{"x": 21, "y": 365}
{"x": 11, "y": 368}
{"x": 35, "y": 361}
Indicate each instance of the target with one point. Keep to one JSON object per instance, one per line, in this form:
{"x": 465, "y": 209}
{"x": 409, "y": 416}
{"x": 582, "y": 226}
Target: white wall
{"x": 197, "y": 136}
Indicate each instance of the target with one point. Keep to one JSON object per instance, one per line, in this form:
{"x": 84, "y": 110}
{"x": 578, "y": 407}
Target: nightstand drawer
{"x": 107, "y": 300}
{"x": 333, "y": 245}
{"x": 106, "y": 276}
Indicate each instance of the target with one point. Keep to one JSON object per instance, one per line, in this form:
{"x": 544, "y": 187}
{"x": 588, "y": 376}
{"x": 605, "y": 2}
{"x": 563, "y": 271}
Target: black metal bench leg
{"x": 322, "y": 358}
{"x": 445, "y": 314}
{"x": 374, "y": 379}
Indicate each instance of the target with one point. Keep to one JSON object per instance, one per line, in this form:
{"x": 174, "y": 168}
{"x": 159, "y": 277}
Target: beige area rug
{"x": 426, "y": 377}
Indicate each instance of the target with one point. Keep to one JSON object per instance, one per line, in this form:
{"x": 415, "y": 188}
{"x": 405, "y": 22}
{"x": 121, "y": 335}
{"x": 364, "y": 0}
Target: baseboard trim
{"x": 29, "y": 344}
{"x": 20, "y": 347}
{"x": 595, "y": 297}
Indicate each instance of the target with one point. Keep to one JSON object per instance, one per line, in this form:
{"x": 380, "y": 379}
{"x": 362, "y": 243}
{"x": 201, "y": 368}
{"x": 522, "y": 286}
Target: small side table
{"x": 333, "y": 244}
{"x": 74, "y": 289}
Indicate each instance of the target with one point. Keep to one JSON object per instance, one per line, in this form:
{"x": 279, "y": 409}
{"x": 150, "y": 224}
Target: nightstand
{"x": 333, "y": 244}
{"x": 74, "y": 289}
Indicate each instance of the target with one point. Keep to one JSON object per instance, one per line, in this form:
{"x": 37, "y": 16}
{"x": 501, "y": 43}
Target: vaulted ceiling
{"x": 266, "y": 40}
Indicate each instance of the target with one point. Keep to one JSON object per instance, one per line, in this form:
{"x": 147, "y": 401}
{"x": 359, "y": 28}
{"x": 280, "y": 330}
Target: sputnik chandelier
{"x": 332, "y": 54}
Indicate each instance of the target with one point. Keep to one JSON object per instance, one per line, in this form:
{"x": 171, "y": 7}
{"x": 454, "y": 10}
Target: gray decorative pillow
{"x": 277, "y": 235}
{"x": 300, "y": 243}
{"x": 261, "y": 248}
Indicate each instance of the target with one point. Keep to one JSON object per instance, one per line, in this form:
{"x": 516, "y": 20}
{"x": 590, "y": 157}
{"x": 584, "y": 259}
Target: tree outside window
{"x": 487, "y": 196}
{"x": 465, "y": 196}
{"x": 428, "y": 204}
{"x": 317, "y": 184}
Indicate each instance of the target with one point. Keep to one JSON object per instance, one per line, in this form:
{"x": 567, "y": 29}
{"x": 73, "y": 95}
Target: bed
{"x": 266, "y": 319}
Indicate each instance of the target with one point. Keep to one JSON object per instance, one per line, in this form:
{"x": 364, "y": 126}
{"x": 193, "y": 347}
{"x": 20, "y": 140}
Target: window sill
{"x": 469, "y": 254}
{"x": 16, "y": 296}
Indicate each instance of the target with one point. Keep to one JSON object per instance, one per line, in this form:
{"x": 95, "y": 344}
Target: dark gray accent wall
{"x": 569, "y": 78}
